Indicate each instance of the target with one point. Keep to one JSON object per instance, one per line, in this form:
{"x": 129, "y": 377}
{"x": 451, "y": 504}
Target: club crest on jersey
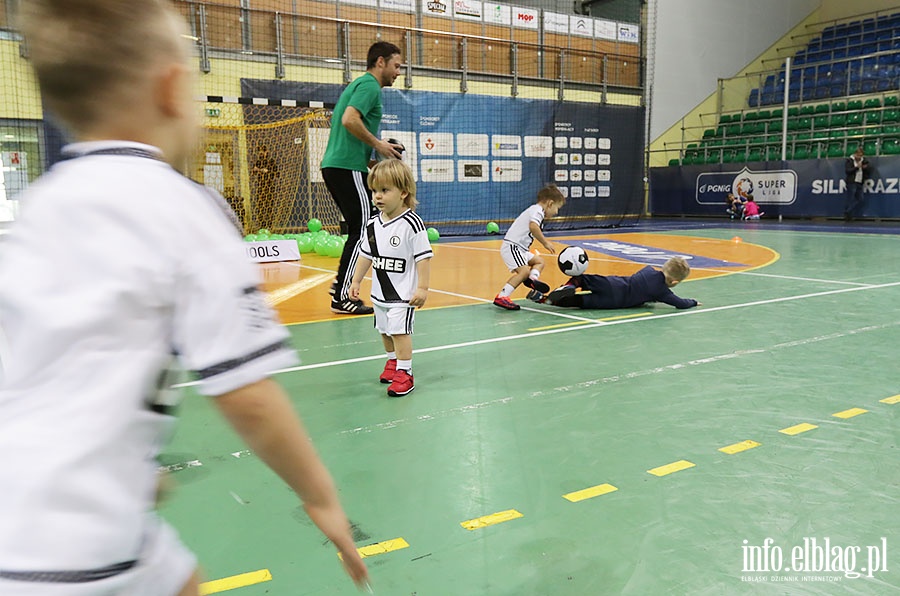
{"x": 395, "y": 241}
{"x": 389, "y": 264}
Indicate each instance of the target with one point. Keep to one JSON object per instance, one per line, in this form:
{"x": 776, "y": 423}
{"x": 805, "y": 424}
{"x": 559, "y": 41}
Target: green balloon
{"x": 277, "y": 237}
{"x": 334, "y": 248}
{"x": 493, "y": 228}
{"x": 433, "y": 235}
{"x": 262, "y": 237}
{"x": 251, "y": 237}
{"x": 314, "y": 225}
{"x": 263, "y": 232}
{"x": 321, "y": 245}
{"x": 305, "y": 243}
{"x": 323, "y": 233}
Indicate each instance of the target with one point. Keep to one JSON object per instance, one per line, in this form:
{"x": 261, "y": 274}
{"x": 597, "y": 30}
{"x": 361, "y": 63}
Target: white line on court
{"x": 593, "y": 323}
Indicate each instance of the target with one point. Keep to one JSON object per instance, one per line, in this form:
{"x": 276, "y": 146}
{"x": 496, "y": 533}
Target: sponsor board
{"x": 506, "y": 171}
{"x": 538, "y": 146}
{"x": 772, "y": 187}
{"x": 436, "y": 143}
{"x": 475, "y": 145}
{"x": 472, "y": 171}
{"x": 438, "y": 170}
{"x": 506, "y": 146}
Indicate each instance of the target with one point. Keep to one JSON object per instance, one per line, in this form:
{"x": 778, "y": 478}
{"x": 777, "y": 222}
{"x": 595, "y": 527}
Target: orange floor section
{"x": 473, "y": 272}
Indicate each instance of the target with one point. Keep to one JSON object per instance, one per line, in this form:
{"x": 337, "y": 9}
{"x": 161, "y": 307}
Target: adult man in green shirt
{"x": 354, "y": 129}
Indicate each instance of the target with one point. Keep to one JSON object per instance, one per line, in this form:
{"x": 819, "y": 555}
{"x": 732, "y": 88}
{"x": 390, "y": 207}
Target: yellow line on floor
{"x": 850, "y": 413}
{"x": 738, "y": 447}
{"x": 235, "y": 581}
{"x": 798, "y": 428}
{"x": 379, "y": 548}
{"x": 890, "y": 400}
{"x": 490, "y": 520}
{"x": 671, "y": 468}
{"x": 590, "y": 493}
{"x": 618, "y": 318}
{"x": 298, "y": 287}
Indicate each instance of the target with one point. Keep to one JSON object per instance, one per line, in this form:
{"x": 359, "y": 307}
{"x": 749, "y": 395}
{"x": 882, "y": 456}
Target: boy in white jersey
{"x": 119, "y": 267}
{"x": 525, "y": 266}
{"x": 395, "y": 245}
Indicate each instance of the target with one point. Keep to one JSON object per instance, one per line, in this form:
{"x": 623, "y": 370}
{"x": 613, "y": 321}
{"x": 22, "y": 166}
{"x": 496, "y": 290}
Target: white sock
{"x": 405, "y": 365}
{"x": 535, "y": 273}
{"x": 392, "y": 355}
{"x": 507, "y": 290}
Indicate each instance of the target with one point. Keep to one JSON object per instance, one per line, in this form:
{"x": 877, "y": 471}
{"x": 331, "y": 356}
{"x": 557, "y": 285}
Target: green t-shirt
{"x": 344, "y": 150}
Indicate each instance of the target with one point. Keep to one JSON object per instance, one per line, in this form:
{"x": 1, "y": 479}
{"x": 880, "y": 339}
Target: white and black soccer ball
{"x": 572, "y": 261}
{"x": 397, "y": 145}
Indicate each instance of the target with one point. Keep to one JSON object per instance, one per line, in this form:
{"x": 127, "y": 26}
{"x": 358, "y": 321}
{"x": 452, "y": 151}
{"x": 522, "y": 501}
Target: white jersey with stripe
{"x": 394, "y": 247}
{"x": 118, "y": 267}
{"x": 520, "y": 231}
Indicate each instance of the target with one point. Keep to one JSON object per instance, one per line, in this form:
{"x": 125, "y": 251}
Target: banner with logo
{"x": 808, "y": 188}
{"x": 479, "y": 157}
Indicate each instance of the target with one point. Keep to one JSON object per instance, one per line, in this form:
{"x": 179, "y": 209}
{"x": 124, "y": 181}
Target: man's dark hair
{"x": 380, "y": 49}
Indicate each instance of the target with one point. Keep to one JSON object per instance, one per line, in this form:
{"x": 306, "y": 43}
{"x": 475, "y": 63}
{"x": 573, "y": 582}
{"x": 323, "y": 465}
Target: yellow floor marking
{"x": 850, "y": 413}
{"x": 490, "y": 520}
{"x": 235, "y": 581}
{"x": 298, "y": 287}
{"x": 620, "y": 317}
{"x": 671, "y": 468}
{"x": 738, "y": 447}
{"x": 798, "y": 428}
{"x": 590, "y": 493}
{"x": 379, "y": 548}
{"x": 890, "y": 400}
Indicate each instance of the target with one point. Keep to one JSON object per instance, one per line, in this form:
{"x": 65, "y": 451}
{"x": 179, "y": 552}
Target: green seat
{"x": 822, "y": 108}
{"x": 837, "y": 134}
{"x": 728, "y": 156}
{"x": 740, "y": 156}
{"x": 751, "y": 116}
{"x": 674, "y": 162}
{"x": 891, "y": 146}
{"x": 709, "y": 133}
{"x": 794, "y": 111}
{"x": 890, "y": 129}
{"x": 807, "y": 110}
{"x": 838, "y": 106}
{"x": 804, "y": 123}
{"x": 755, "y": 154}
{"x": 854, "y": 132}
{"x": 714, "y": 156}
{"x": 801, "y": 152}
{"x": 838, "y": 120}
{"x": 765, "y": 114}
{"x": 724, "y": 118}
{"x": 873, "y": 117}
{"x": 774, "y": 126}
{"x": 820, "y": 121}
{"x": 872, "y": 102}
{"x": 733, "y": 130}
{"x": 854, "y": 118}
{"x": 777, "y": 113}
{"x": 891, "y": 100}
{"x": 687, "y": 160}
{"x": 890, "y": 116}
{"x": 835, "y": 150}
{"x": 773, "y": 153}
{"x": 854, "y": 104}
{"x": 870, "y": 147}
{"x": 804, "y": 136}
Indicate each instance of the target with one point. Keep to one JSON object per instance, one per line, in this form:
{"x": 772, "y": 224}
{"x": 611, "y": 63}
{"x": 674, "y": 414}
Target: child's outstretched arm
{"x": 423, "y": 272}
{"x": 362, "y": 267}
{"x": 538, "y": 235}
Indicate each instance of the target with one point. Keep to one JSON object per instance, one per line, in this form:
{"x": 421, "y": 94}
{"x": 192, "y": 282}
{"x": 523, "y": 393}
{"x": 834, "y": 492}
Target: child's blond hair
{"x": 676, "y": 269}
{"x": 89, "y": 54}
{"x": 551, "y": 194}
{"x": 393, "y": 172}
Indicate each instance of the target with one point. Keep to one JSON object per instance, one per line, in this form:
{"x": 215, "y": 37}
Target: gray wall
{"x": 700, "y": 41}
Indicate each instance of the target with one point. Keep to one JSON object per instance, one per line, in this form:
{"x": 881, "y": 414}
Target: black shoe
{"x": 333, "y": 289}
{"x": 536, "y": 296}
{"x": 350, "y": 307}
{"x": 536, "y": 284}
{"x": 560, "y": 293}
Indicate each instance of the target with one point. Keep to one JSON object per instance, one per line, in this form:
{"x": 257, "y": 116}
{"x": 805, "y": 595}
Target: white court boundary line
{"x": 592, "y": 324}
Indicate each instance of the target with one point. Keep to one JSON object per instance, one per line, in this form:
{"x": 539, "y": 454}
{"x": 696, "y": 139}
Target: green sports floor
{"x": 645, "y": 451}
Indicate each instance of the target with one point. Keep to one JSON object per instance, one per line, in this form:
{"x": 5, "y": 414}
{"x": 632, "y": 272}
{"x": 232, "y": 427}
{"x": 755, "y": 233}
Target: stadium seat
{"x": 838, "y": 120}
{"x": 870, "y": 147}
{"x": 872, "y": 102}
{"x": 801, "y": 152}
{"x": 873, "y": 117}
{"x": 835, "y": 149}
{"x": 891, "y": 100}
{"x": 674, "y": 162}
{"x": 890, "y": 116}
{"x": 891, "y": 146}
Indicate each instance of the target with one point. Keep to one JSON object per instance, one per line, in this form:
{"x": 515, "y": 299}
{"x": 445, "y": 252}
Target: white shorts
{"x": 164, "y": 567}
{"x": 397, "y": 320}
{"x": 514, "y": 256}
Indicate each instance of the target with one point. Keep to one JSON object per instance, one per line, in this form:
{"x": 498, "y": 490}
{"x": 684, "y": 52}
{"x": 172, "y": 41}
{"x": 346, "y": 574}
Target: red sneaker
{"x": 402, "y": 384}
{"x": 390, "y": 367}
{"x": 505, "y": 302}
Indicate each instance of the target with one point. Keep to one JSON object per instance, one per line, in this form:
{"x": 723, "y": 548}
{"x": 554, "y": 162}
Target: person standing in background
{"x": 857, "y": 168}
{"x": 353, "y": 136}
